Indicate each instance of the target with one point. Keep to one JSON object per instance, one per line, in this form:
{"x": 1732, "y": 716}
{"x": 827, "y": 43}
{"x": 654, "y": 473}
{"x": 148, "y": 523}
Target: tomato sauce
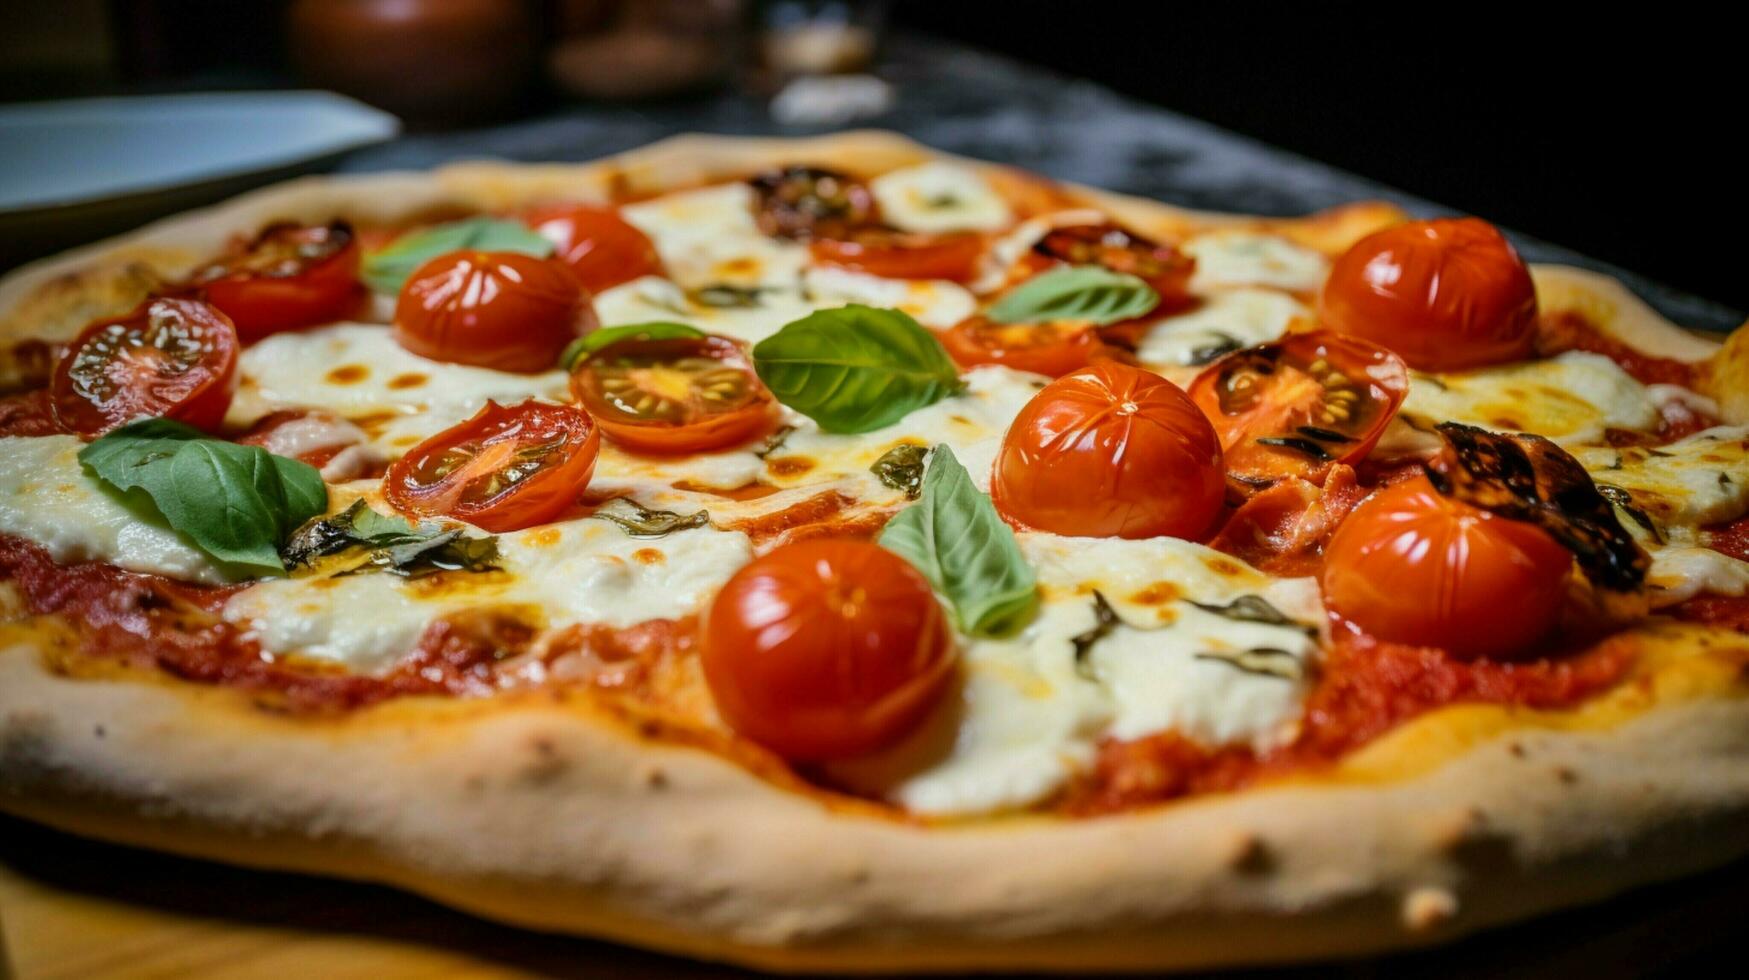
{"x": 28, "y": 414}
{"x": 1568, "y": 330}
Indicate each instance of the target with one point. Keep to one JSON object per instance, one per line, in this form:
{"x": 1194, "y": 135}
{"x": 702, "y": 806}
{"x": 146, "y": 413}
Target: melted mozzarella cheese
{"x": 1027, "y": 717}
{"x": 1225, "y": 320}
{"x": 1248, "y": 258}
{"x": 1571, "y": 398}
{"x": 359, "y": 373}
{"x": 1680, "y": 573}
{"x": 47, "y": 498}
{"x": 582, "y": 571}
{"x": 708, "y": 237}
{"x": 940, "y": 196}
{"x": 1702, "y": 479}
{"x": 932, "y": 302}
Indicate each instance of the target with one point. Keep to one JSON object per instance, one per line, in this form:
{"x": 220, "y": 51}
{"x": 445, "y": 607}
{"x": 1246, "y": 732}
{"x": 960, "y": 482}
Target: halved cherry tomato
{"x": 826, "y": 649}
{"x": 505, "y": 469}
{"x": 1446, "y": 295}
{"x": 1110, "y": 451}
{"x": 1411, "y": 565}
{"x": 602, "y": 249}
{"x": 903, "y": 255}
{"x": 290, "y": 276}
{"x": 500, "y": 310}
{"x": 1054, "y": 348}
{"x": 1299, "y": 405}
{"x": 175, "y": 358}
{"x": 811, "y": 202}
{"x": 1165, "y": 268}
{"x": 675, "y": 395}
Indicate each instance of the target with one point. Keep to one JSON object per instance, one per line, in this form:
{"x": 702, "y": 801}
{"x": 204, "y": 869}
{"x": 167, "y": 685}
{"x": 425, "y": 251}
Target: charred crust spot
{"x": 1248, "y": 854}
{"x": 1528, "y": 478}
{"x": 1566, "y": 775}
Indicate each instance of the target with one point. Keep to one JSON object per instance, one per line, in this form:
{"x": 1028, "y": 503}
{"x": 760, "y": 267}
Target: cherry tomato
{"x": 826, "y": 649}
{"x": 1043, "y": 348}
{"x": 901, "y": 255}
{"x": 1446, "y": 295}
{"x": 1111, "y": 451}
{"x": 675, "y": 395}
{"x": 175, "y": 358}
{"x": 1411, "y": 565}
{"x": 500, "y": 310}
{"x": 505, "y": 469}
{"x": 811, "y": 202}
{"x": 1299, "y": 405}
{"x": 602, "y": 249}
{"x": 1164, "y": 267}
{"x": 291, "y": 276}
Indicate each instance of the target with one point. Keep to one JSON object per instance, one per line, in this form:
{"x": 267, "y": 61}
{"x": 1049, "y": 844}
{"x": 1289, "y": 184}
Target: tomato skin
{"x": 1331, "y": 394}
{"x": 499, "y": 310}
{"x": 1161, "y": 266}
{"x": 1111, "y": 450}
{"x": 601, "y": 248}
{"x": 698, "y": 429}
{"x": 1413, "y": 566}
{"x": 801, "y": 203}
{"x": 1446, "y": 295}
{"x": 1042, "y": 348}
{"x": 826, "y": 649}
{"x": 417, "y": 485}
{"x": 896, "y": 255}
{"x": 289, "y": 277}
{"x": 114, "y": 371}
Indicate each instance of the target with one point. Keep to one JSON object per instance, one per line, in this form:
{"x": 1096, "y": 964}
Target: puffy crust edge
{"x": 543, "y": 813}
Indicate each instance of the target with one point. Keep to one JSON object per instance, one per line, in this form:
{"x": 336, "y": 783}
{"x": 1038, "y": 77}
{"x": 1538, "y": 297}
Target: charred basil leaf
{"x": 642, "y": 522}
{"x": 1624, "y": 502}
{"x": 390, "y": 543}
{"x": 1255, "y": 609}
{"x": 1528, "y": 478}
{"x": 1104, "y": 621}
{"x": 1265, "y": 661}
{"x": 730, "y": 297}
{"x": 901, "y": 468}
{"x": 809, "y": 202}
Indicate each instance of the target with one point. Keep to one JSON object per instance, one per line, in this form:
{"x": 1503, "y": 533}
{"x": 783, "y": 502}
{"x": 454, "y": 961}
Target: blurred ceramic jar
{"x": 644, "y": 49}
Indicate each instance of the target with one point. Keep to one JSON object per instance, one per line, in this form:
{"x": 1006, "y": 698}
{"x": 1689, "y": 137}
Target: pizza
{"x": 834, "y": 555}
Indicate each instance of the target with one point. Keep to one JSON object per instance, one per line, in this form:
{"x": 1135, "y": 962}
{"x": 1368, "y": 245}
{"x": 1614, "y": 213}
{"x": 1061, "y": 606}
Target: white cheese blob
{"x": 653, "y": 298}
{"x": 47, "y": 498}
{"x": 1027, "y": 717}
{"x": 935, "y": 303}
{"x": 940, "y": 196}
{"x": 1571, "y": 398}
{"x": 1699, "y": 480}
{"x": 581, "y": 571}
{"x": 708, "y": 237}
{"x": 1232, "y": 318}
{"x": 1681, "y": 572}
{"x": 1248, "y": 258}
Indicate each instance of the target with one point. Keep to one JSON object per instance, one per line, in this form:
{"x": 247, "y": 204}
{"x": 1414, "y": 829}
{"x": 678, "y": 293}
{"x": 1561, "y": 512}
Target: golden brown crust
{"x": 543, "y": 811}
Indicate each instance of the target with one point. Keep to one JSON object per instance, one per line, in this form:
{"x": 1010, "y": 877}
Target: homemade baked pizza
{"x": 829, "y": 554}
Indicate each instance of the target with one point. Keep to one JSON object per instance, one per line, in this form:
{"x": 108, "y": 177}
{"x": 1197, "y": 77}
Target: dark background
{"x": 1613, "y": 131}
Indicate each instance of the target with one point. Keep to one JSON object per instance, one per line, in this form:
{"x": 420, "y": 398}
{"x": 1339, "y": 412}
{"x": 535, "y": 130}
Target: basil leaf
{"x": 1091, "y": 293}
{"x": 394, "y": 544}
{"x": 236, "y": 503}
{"x": 855, "y": 368}
{"x": 901, "y": 468}
{"x": 957, "y": 540}
{"x": 647, "y": 523}
{"x": 386, "y": 271}
{"x": 591, "y": 342}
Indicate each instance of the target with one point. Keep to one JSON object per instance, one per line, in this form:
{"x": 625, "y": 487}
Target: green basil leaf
{"x": 644, "y": 522}
{"x": 236, "y": 503}
{"x": 901, "y": 468}
{"x": 386, "y": 270}
{"x": 1091, "y": 293}
{"x": 957, "y": 540}
{"x": 855, "y": 368}
{"x": 591, "y": 342}
{"x": 391, "y": 544}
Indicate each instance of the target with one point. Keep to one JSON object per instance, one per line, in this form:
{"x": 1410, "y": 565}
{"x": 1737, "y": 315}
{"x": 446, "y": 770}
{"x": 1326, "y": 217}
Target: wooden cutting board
{"x": 75, "y": 909}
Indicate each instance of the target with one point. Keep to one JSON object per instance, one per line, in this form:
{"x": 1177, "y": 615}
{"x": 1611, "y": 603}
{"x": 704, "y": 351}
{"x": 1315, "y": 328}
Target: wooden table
{"x": 71, "y": 909}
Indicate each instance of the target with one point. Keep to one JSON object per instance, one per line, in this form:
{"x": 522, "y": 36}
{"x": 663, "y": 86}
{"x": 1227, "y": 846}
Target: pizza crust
{"x": 545, "y": 811}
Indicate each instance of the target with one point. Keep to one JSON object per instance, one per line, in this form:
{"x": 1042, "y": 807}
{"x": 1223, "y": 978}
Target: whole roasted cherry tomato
{"x": 175, "y": 358}
{"x": 1446, "y": 295}
{"x": 675, "y": 395}
{"x": 1411, "y": 565}
{"x": 500, "y": 310}
{"x": 291, "y": 276}
{"x": 903, "y": 255}
{"x": 1301, "y": 404}
{"x": 1054, "y": 348}
{"x": 1165, "y": 268}
{"x": 811, "y": 202}
{"x": 505, "y": 469}
{"x": 826, "y": 649}
{"x": 1111, "y": 451}
{"x": 602, "y": 249}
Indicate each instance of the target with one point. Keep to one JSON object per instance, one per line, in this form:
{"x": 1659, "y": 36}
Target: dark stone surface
{"x": 981, "y": 105}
